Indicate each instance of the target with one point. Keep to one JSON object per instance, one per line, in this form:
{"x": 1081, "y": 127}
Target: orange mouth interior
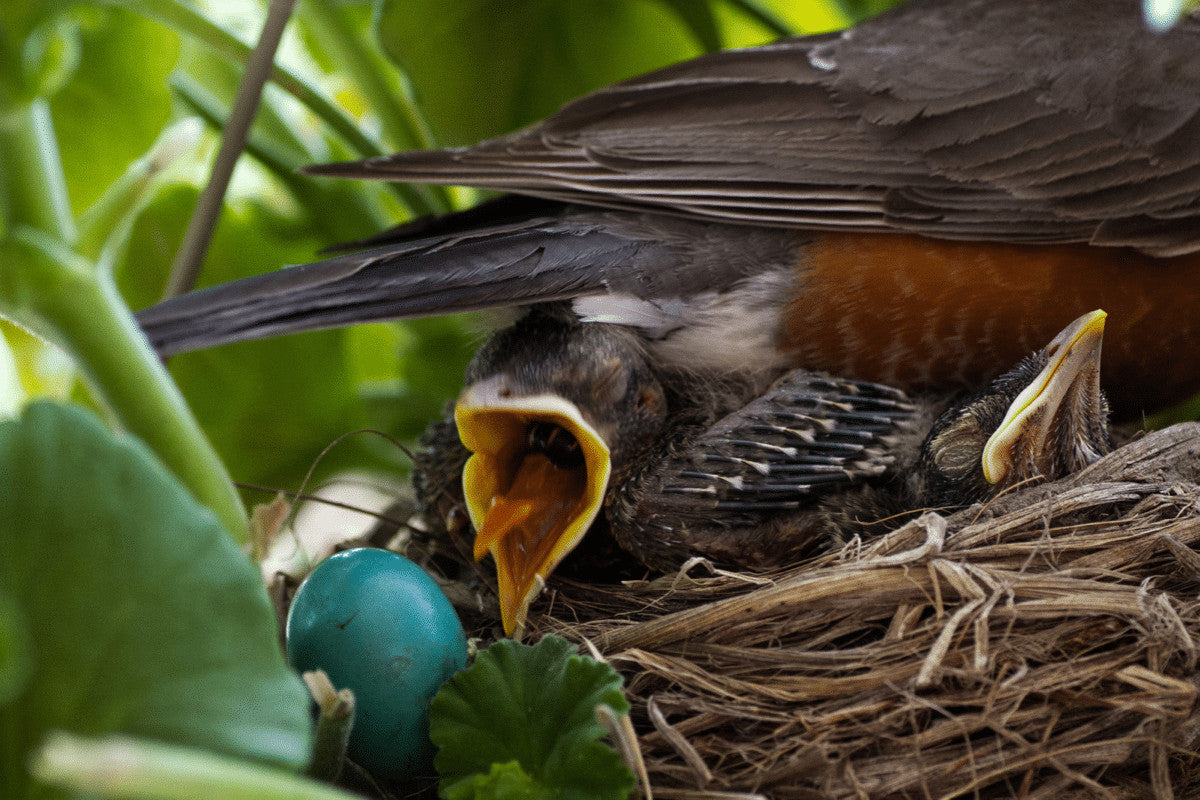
{"x": 529, "y": 505}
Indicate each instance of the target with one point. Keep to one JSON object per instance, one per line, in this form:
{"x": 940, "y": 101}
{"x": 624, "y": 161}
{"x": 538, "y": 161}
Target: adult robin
{"x": 566, "y": 427}
{"x": 1014, "y": 162}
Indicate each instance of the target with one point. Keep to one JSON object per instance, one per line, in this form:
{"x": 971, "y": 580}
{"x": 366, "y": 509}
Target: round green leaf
{"x": 145, "y": 617}
{"x": 535, "y": 706}
{"x": 24, "y": 61}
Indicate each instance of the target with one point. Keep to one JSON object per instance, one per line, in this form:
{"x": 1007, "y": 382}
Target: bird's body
{"x": 926, "y": 314}
{"x": 920, "y": 200}
{"x": 912, "y": 312}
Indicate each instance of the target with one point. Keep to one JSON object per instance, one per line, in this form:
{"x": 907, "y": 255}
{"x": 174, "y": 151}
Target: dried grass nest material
{"x": 1043, "y": 646}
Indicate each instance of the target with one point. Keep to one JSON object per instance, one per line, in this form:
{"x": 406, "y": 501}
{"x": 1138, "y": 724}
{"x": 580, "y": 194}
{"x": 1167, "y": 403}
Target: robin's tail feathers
{"x": 543, "y": 258}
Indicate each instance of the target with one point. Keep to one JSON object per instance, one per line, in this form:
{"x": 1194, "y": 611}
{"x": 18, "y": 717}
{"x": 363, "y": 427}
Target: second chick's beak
{"x": 1057, "y": 423}
{"x": 1043, "y": 419}
{"x": 549, "y": 409}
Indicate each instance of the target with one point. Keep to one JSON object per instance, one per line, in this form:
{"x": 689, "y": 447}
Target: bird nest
{"x": 1044, "y": 645}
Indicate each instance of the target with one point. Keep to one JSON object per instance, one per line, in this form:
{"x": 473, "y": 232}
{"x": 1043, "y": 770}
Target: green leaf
{"x": 338, "y": 33}
{"x": 12, "y": 393}
{"x": 480, "y": 68}
{"x": 502, "y": 782}
{"x": 857, "y": 10}
{"x": 349, "y": 209}
{"x": 193, "y": 24}
{"x": 124, "y": 767}
{"x": 105, "y": 228}
{"x": 700, "y": 19}
{"x": 16, "y": 650}
{"x": 42, "y": 369}
{"x": 145, "y": 618}
{"x": 51, "y": 289}
{"x": 31, "y": 56}
{"x": 51, "y": 54}
{"x": 432, "y": 354}
{"x": 777, "y": 19}
{"x": 117, "y": 102}
{"x": 533, "y": 705}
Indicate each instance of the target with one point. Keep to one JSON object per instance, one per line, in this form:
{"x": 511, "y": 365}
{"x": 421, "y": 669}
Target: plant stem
{"x": 184, "y": 20}
{"x": 53, "y": 291}
{"x": 334, "y": 723}
{"x": 31, "y": 176}
{"x": 196, "y": 239}
{"x": 121, "y": 767}
{"x": 105, "y": 228}
{"x": 352, "y": 208}
{"x": 400, "y": 120}
{"x": 49, "y": 288}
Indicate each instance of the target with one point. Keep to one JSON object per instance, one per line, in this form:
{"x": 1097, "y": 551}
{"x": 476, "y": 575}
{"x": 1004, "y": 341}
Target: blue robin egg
{"x": 380, "y": 626}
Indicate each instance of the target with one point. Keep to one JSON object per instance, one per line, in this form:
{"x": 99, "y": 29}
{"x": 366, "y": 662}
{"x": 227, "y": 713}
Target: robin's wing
{"x": 808, "y": 436}
{"x": 526, "y": 259}
{"x": 1013, "y": 120}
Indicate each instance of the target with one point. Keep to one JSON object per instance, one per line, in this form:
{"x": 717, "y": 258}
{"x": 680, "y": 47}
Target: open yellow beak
{"x": 529, "y": 508}
{"x": 1072, "y": 374}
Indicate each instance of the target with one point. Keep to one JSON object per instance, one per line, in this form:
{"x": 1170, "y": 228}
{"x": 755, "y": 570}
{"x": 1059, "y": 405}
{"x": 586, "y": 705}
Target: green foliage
{"x": 96, "y": 144}
{"x": 151, "y": 623}
{"x": 124, "y": 767}
{"x": 36, "y": 48}
{"x": 480, "y": 68}
{"x": 122, "y": 606}
{"x": 16, "y": 650}
{"x": 501, "y": 782}
{"x": 521, "y": 722}
{"x": 113, "y": 77}
{"x": 12, "y": 393}
{"x": 269, "y": 407}
{"x": 856, "y": 10}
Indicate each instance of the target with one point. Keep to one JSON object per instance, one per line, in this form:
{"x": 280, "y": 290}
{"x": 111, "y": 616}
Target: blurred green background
{"x": 136, "y": 92}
